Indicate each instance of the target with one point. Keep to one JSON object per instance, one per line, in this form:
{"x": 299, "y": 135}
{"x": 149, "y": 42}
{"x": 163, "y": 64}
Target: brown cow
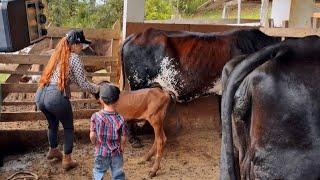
{"x": 147, "y": 104}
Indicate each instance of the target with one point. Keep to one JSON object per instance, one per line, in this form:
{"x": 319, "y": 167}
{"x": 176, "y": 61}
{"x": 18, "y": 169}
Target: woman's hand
{"x": 96, "y": 95}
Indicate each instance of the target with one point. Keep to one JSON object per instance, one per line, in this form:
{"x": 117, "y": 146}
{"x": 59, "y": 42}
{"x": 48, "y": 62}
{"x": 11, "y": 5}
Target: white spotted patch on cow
{"x": 168, "y": 77}
{"x": 135, "y": 76}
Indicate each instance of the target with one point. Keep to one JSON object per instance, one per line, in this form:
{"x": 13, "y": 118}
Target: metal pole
{"x": 239, "y": 11}
{"x": 264, "y": 12}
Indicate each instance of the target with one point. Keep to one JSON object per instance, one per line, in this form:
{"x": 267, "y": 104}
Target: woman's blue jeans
{"x": 56, "y": 107}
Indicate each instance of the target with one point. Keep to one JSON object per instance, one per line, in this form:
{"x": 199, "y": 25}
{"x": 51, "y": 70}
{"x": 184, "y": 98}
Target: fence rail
{"x": 36, "y": 115}
{"x": 109, "y": 63}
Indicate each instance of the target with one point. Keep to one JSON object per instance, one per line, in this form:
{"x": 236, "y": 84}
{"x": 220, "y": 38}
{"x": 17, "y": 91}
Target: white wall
{"x": 297, "y": 12}
{"x": 280, "y": 11}
{"x": 301, "y": 12}
{"x": 133, "y": 11}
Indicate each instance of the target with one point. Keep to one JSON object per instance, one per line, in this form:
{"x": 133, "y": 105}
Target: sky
{"x": 98, "y": 2}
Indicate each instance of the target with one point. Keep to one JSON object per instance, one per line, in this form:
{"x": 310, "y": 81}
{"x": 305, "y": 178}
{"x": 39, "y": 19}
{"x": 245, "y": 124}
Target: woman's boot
{"x": 54, "y": 153}
{"x": 67, "y": 162}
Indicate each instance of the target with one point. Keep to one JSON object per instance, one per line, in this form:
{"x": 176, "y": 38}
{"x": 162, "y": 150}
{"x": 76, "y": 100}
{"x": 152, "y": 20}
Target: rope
{"x": 23, "y": 175}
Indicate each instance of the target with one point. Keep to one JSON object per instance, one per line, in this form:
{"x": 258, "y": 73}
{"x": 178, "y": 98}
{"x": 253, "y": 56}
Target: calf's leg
{"x": 151, "y": 152}
{"x": 159, "y": 140}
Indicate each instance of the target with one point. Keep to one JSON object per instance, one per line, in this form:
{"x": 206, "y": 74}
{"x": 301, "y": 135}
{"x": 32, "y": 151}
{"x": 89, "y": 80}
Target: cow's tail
{"x": 227, "y": 166}
{"x": 173, "y": 109}
{"x": 122, "y": 62}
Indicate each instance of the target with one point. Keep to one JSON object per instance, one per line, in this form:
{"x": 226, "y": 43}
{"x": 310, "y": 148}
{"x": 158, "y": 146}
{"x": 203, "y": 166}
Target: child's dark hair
{"x": 109, "y": 94}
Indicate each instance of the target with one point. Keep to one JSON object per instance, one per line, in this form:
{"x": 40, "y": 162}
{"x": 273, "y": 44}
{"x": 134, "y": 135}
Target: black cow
{"x": 188, "y": 64}
{"x": 271, "y": 113}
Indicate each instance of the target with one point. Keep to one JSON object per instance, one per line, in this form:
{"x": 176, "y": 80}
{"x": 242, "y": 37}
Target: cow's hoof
{"x": 135, "y": 142}
{"x": 152, "y": 174}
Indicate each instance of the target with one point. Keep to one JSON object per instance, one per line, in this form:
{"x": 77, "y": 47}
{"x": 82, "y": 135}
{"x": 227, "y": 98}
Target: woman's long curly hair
{"x": 60, "y": 57}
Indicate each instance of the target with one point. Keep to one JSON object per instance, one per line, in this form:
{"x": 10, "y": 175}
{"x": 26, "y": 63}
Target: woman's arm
{"x": 78, "y": 77}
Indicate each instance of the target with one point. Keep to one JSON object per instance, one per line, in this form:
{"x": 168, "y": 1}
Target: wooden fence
{"x": 109, "y": 63}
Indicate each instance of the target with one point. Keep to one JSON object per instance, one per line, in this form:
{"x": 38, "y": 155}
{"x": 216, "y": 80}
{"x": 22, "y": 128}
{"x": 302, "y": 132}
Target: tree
{"x": 83, "y": 14}
{"x": 158, "y": 9}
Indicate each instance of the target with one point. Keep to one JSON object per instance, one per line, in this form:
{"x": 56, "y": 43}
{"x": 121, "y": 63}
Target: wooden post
{"x": 239, "y": 12}
{"x": 314, "y": 20}
{"x": 227, "y": 6}
{"x": 115, "y": 54}
{"x": 225, "y": 11}
{"x": 271, "y": 23}
{"x": 0, "y": 103}
{"x": 285, "y": 24}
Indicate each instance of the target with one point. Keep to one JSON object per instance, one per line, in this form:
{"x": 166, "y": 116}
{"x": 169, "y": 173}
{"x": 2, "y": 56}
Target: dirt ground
{"x": 193, "y": 153}
{"x": 188, "y": 156}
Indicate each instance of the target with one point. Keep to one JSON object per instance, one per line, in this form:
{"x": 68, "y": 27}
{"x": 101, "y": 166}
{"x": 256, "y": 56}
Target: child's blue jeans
{"x": 102, "y": 164}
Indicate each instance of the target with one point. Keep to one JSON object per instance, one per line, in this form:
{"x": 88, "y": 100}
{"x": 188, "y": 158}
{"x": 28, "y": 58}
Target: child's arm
{"x": 93, "y": 135}
{"x": 123, "y": 143}
{"x": 123, "y": 136}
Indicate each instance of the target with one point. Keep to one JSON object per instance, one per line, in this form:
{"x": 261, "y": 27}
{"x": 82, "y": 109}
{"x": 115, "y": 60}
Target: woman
{"x": 52, "y": 97}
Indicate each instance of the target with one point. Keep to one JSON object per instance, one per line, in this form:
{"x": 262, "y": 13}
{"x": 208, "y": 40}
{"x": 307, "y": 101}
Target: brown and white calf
{"x": 147, "y": 104}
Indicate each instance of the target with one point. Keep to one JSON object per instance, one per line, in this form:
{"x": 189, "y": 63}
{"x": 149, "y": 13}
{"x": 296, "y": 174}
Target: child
{"x": 108, "y": 133}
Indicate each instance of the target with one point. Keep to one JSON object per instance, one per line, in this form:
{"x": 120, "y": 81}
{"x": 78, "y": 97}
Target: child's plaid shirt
{"x": 109, "y": 127}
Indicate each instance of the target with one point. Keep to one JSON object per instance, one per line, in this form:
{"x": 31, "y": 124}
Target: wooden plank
{"x": 27, "y": 88}
{"x": 19, "y": 72}
{"x": 280, "y": 32}
{"x": 112, "y": 74}
{"x": 316, "y": 15}
{"x": 33, "y": 116}
{"x": 115, "y": 49}
{"x": 88, "y": 32}
{"x": 140, "y": 27}
{"x": 133, "y": 27}
{"x": 16, "y": 78}
{"x": 116, "y": 53}
{"x": 215, "y": 28}
{"x": 25, "y": 103}
{"x": 43, "y": 59}
{"x": 290, "y": 32}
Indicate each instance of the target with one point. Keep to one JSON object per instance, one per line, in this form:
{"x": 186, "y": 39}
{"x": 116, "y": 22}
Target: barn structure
{"x": 289, "y": 18}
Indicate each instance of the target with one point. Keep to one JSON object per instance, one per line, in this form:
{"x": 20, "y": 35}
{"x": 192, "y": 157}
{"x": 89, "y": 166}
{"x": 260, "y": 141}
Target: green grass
{"x": 248, "y": 11}
{"x": 3, "y": 77}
